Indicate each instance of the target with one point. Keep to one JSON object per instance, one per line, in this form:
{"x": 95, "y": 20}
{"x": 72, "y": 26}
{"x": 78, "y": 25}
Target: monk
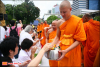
{"x": 70, "y": 32}
{"x": 43, "y": 41}
{"x": 38, "y": 30}
{"x": 51, "y": 34}
{"x": 41, "y": 26}
{"x": 38, "y": 27}
{"x": 92, "y": 29}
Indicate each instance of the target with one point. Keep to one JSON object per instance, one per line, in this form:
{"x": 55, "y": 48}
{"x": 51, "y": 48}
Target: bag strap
{"x": 10, "y": 28}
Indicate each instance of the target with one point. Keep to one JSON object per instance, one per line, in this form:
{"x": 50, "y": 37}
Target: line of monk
{"x": 72, "y": 31}
{"x": 51, "y": 34}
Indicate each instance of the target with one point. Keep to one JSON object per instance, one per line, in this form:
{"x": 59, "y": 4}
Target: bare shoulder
{"x": 60, "y": 22}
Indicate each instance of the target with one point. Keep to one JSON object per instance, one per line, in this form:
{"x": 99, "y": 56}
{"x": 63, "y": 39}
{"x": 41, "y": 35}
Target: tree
{"x": 27, "y": 12}
{"x": 9, "y": 12}
{"x": 80, "y": 16}
{"x": 52, "y": 18}
{"x": 32, "y": 12}
{"x": 20, "y": 12}
{"x": 97, "y": 18}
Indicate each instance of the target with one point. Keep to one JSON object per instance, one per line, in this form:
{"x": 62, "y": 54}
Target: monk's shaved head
{"x": 65, "y": 3}
{"x": 86, "y": 18}
{"x": 65, "y": 9}
{"x": 87, "y": 15}
{"x": 41, "y": 22}
{"x": 54, "y": 24}
{"x": 38, "y": 23}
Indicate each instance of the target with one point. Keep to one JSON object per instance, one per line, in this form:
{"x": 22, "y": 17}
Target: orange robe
{"x": 43, "y": 35}
{"x": 41, "y": 27}
{"x": 92, "y": 29}
{"x": 71, "y": 30}
{"x": 38, "y": 28}
{"x": 97, "y": 59}
{"x": 52, "y": 35}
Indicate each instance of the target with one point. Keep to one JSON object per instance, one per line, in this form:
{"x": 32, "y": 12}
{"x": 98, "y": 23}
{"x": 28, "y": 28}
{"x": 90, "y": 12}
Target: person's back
{"x": 14, "y": 31}
{"x": 92, "y": 29}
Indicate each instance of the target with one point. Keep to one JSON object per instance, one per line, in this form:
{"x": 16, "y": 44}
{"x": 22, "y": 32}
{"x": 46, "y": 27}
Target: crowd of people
{"x": 78, "y": 39}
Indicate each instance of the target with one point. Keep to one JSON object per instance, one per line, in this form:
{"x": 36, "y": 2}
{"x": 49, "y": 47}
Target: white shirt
{"x": 7, "y": 32}
{"x": 15, "y": 61}
{"x": 2, "y": 33}
{"x": 24, "y": 35}
{"x": 23, "y": 56}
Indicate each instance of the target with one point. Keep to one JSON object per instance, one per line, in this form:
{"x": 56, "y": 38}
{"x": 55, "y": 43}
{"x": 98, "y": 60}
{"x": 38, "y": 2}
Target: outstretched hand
{"x": 47, "y": 46}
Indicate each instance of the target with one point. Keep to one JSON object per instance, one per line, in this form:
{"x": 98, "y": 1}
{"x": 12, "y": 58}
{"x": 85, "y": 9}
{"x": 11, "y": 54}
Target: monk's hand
{"x": 47, "y": 47}
{"x": 63, "y": 54}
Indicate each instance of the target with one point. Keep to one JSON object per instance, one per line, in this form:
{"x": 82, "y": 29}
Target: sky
{"x": 44, "y": 5}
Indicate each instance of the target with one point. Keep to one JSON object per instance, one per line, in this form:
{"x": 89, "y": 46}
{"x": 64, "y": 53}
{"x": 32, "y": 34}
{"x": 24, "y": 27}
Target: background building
{"x": 55, "y": 9}
{"x": 86, "y": 4}
{"x": 94, "y": 4}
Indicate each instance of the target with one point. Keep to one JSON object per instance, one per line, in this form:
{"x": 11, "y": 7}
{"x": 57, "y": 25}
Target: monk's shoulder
{"x": 76, "y": 18}
{"x": 60, "y": 22}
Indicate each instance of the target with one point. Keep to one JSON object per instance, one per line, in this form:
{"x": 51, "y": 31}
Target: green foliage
{"x": 9, "y": 12}
{"x": 32, "y": 12}
{"x": 80, "y": 16}
{"x": 52, "y": 18}
{"x": 14, "y": 20}
{"x": 26, "y": 12}
{"x": 97, "y": 18}
{"x": 20, "y": 12}
{"x": 24, "y": 22}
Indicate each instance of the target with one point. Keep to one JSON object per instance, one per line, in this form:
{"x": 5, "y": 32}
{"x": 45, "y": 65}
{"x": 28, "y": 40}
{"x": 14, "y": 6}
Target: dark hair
{"x": 24, "y": 26}
{"x": 12, "y": 22}
{"x": 5, "y": 59}
{"x": 87, "y": 15}
{"x": 7, "y": 44}
{"x": 5, "y": 28}
{"x": 26, "y": 44}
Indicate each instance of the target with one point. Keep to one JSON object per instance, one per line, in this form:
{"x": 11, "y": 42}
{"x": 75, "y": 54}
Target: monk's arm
{"x": 45, "y": 31}
{"x": 47, "y": 38}
{"x": 75, "y": 44}
{"x": 56, "y": 39}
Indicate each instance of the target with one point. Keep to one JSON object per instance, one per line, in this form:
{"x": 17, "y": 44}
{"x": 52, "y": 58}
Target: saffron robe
{"x": 43, "y": 41}
{"x": 71, "y": 30}
{"x": 92, "y": 29}
{"x": 52, "y": 35}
